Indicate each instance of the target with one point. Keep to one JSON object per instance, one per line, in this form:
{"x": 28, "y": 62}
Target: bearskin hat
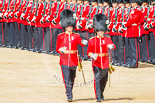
{"x": 67, "y": 18}
{"x": 93, "y": 0}
{"x": 147, "y": 1}
{"x": 120, "y": 1}
{"x": 114, "y": 1}
{"x": 100, "y": 1}
{"x": 108, "y": 1}
{"x": 134, "y": 1}
{"x": 126, "y": 1}
{"x": 99, "y": 22}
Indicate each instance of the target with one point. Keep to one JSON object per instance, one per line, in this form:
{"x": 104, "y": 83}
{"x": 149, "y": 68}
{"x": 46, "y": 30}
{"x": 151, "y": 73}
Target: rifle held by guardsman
{"x": 24, "y": 10}
{"x": 13, "y": 7}
{"x": 28, "y": 18}
{"x": 152, "y": 24}
{"x": 6, "y": 13}
{"x": 58, "y": 5}
{"x": 79, "y": 20}
{"x": 48, "y": 18}
{"x": 1, "y": 14}
{"x": 36, "y": 12}
{"x": 115, "y": 19}
{"x": 18, "y": 10}
{"x": 42, "y": 19}
{"x": 89, "y": 16}
{"x": 146, "y": 25}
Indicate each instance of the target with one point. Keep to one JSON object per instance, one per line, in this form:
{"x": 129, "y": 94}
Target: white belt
{"x": 134, "y": 24}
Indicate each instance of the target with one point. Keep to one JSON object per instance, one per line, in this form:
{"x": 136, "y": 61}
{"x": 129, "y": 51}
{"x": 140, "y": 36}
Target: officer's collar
{"x": 68, "y": 33}
{"x": 100, "y": 37}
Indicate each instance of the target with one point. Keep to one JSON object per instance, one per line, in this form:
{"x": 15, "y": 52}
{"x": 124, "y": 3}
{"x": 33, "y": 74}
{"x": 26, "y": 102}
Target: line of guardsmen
{"x": 34, "y": 26}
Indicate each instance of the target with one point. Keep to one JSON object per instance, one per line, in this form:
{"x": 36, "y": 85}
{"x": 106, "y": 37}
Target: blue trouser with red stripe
{"x": 131, "y": 52}
{"x": 115, "y": 52}
{"x": 144, "y": 50}
{"x": 151, "y": 43}
{"x": 101, "y": 77}
{"x": 69, "y": 74}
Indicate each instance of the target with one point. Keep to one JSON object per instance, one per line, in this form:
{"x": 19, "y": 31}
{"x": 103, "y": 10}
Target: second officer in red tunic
{"x": 67, "y": 48}
{"x": 98, "y": 47}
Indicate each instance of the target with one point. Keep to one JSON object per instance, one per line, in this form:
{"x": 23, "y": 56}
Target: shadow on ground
{"x": 145, "y": 65}
{"x": 111, "y": 99}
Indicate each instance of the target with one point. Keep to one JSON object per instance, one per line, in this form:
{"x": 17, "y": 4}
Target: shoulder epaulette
{"x": 92, "y": 37}
{"x": 60, "y": 33}
{"x": 107, "y": 36}
{"x": 76, "y": 33}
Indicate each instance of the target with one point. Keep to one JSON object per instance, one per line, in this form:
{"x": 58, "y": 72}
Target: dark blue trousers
{"x": 144, "y": 50}
{"x": 47, "y": 39}
{"x": 11, "y": 34}
{"x": 39, "y": 38}
{"x": 23, "y": 36}
{"x": 120, "y": 51}
{"x": 69, "y": 74}
{"x": 127, "y": 52}
{"x": 115, "y": 52}
{"x": 30, "y": 35}
{"x": 131, "y": 52}
{"x": 101, "y": 77}
{"x": 151, "y": 44}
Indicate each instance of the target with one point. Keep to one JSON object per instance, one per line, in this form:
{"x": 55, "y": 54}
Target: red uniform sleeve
{"x": 58, "y": 43}
{"x": 109, "y": 41}
{"x": 133, "y": 18}
{"x": 89, "y": 49}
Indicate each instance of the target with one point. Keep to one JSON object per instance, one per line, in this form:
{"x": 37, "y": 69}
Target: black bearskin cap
{"x": 99, "y": 22}
{"x": 67, "y": 18}
{"x": 126, "y": 1}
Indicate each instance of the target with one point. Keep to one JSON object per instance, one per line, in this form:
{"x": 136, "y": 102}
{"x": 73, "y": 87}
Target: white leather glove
{"x": 5, "y": 15}
{"x": 84, "y": 42}
{"x": 34, "y": 18}
{"x": 94, "y": 56}
{"x": 110, "y": 46}
{"x": 22, "y": 16}
{"x": 62, "y": 49}
{"x": 42, "y": 20}
{"x": 1, "y": 14}
{"x": 88, "y": 26}
{"x": 78, "y": 25}
{"x": 107, "y": 22}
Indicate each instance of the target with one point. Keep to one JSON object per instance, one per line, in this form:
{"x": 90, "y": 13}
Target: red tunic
{"x": 99, "y": 46}
{"x": 71, "y": 42}
{"x": 133, "y": 23}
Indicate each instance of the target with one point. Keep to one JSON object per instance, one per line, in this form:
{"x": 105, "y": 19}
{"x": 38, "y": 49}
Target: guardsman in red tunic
{"x": 1, "y": 23}
{"x": 120, "y": 44}
{"x": 113, "y": 34}
{"x": 107, "y": 11}
{"x": 152, "y": 33}
{"x": 98, "y": 47}
{"x": 132, "y": 27}
{"x": 123, "y": 32}
{"x": 67, "y": 47}
{"x": 143, "y": 45}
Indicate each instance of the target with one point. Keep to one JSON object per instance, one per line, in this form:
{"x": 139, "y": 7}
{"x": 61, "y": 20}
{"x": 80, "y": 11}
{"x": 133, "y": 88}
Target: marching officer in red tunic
{"x": 98, "y": 47}
{"x": 67, "y": 48}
